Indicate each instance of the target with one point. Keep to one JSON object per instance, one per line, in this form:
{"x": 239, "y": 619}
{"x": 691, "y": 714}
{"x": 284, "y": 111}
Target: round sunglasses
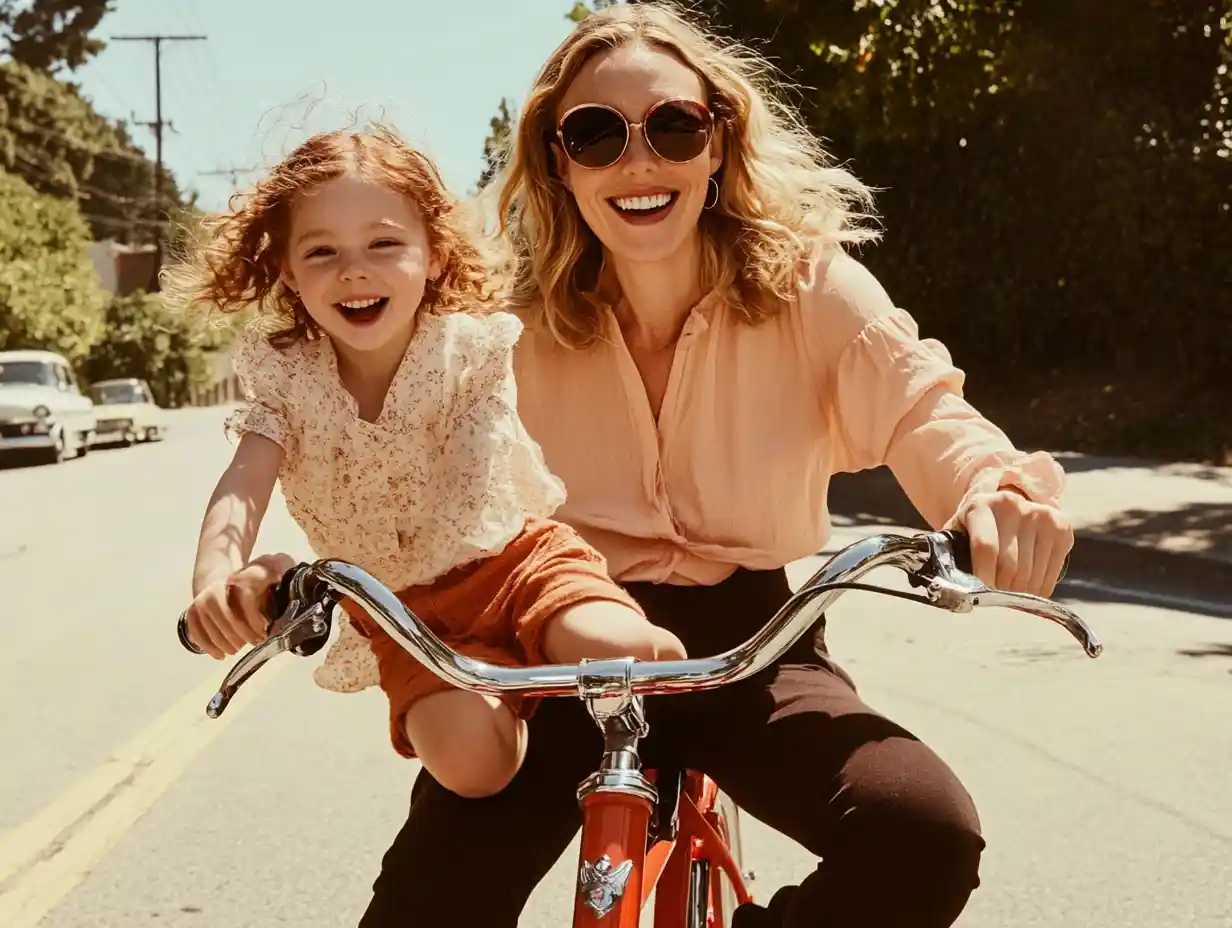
{"x": 594, "y": 135}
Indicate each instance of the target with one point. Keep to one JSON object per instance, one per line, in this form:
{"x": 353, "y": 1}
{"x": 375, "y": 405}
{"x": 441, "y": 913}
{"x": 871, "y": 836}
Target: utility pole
{"x": 157, "y": 125}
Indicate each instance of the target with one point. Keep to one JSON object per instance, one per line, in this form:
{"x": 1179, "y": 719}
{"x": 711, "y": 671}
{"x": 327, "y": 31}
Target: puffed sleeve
{"x": 494, "y": 476}
{"x": 894, "y": 398}
{"x": 265, "y": 375}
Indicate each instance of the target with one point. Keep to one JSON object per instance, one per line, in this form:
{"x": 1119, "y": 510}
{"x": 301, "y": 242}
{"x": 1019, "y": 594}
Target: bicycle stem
{"x": 613, "y": 695}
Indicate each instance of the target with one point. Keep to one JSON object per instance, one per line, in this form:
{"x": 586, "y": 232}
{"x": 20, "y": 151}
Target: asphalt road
{"x": 1103, "y": 792}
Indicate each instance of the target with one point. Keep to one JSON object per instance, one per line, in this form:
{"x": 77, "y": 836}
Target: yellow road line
{"x": 43, "y": 859}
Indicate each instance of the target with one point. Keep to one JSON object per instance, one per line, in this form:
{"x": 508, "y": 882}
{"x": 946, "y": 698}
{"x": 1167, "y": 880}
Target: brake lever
{"x": 302, "y": 632}
{"x": 1046, "y": 609}
{"x": 949, "y": 587}
{"x": 946, "y": 584}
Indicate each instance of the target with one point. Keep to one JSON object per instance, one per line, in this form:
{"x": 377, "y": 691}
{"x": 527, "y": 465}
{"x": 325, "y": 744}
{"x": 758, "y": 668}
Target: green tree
{"x": 51, "y": 35}
{"x": 495, "y": 146}
{"x": 50, "y": 295}
{"x": 52, "y": 137}
{"x": 146, "y": 340}
{"x": 1055, "y": 181}
{"x": 580, "y": 10}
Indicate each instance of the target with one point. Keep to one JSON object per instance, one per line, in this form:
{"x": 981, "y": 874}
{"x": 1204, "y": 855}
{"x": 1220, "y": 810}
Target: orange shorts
{"x": 494, "y": 610}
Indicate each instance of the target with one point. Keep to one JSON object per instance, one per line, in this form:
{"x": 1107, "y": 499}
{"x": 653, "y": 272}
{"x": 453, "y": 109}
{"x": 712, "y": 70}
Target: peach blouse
{"x": 755, "y": 420}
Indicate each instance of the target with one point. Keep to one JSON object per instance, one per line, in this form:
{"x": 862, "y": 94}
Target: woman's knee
{"x": 913, "y": 816}
{"x": 943, "y": 838}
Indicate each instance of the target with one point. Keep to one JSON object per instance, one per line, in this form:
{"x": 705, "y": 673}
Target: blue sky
{"x": 270, "y": 73}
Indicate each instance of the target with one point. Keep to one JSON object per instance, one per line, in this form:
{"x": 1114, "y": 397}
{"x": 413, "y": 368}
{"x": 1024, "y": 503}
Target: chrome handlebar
{"x": 930, "y": 560}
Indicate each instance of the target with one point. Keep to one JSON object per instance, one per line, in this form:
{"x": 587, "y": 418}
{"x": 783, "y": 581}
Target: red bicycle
{"x": 674, "y": 833}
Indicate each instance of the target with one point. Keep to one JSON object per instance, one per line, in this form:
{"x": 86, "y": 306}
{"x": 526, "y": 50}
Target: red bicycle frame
{"x": 623, "y": 859}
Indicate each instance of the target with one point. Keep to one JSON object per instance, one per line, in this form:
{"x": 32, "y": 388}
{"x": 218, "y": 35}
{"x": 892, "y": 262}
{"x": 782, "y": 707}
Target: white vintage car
{"x": 42, "y": 409}
{"x": 126, "y": 412}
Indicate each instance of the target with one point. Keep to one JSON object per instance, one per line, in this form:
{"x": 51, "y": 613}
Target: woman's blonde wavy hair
{"x": 780, "y": 195}
{"x": 233, "y": 260}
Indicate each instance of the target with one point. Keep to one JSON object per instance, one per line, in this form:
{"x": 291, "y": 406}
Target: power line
{"x": 121, "y": 220}
{"x": 20, "y": 127}
{"x": 233, "y": 173}
{"x": 84, "y": 191}
{"x": 158, "y": 122}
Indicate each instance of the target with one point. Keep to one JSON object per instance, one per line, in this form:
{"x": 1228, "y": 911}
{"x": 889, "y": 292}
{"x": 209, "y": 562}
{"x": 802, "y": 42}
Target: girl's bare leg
{"x": 602, "y": 628}
{"x": 472, "y": 744}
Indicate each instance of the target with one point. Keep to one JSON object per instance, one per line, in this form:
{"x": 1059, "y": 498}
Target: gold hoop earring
{"x": 711, "y": 184}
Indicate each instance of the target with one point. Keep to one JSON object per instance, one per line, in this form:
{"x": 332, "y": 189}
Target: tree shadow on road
{"x": 1210, "y": 650}
{"x": 872, "y": 497}
{"x": 1085, "y": 464}
{"x": 1220, "y": 649}
{"x": 859, "y": 519}
{"x": 1206, "y": 528}
{"x": 1221, "y": 475}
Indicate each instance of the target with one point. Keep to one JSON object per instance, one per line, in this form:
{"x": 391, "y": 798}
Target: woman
{"x": 700, "y": 358}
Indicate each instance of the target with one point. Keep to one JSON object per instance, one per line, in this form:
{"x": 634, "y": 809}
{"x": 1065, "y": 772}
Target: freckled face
{"x": 359, "y": 257}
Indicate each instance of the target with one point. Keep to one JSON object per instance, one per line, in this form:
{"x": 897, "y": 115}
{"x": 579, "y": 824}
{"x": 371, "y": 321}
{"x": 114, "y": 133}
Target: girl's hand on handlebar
{"x": 1017, "y": 545}
{"x": 228, "y": 613}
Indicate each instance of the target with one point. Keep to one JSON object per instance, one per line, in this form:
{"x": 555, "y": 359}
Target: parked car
{"x": 42, "y": 409}
{"x": 126, "y": 412}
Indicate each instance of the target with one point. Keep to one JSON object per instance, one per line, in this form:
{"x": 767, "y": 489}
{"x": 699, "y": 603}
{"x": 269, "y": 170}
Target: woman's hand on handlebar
{"x": 230, "y": 612}
{"x": 1017, "y": 545}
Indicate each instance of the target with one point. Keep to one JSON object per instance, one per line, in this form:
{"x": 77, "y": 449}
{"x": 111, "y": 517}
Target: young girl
{"x": 384, "y": 402}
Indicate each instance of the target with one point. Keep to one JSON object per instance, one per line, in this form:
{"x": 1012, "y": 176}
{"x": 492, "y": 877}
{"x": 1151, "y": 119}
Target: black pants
{"x": 794, "y": 746}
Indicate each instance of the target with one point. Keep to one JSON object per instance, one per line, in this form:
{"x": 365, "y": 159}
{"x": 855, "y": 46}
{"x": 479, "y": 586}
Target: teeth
{"x": 361, "y": 304}
{"x": 650, "y": 202}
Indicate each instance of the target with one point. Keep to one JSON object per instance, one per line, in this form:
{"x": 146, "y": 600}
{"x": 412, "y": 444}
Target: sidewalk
{"x": 1165, "y": 524}
{"x": 1178, "y": 508}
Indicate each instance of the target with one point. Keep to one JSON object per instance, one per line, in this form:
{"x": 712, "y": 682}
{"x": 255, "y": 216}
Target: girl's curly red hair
{"x": 236, "y": 258}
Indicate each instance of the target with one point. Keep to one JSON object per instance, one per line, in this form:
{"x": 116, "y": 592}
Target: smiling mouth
{"x": 646, "y": 205}
{"x": 364, "y": 311}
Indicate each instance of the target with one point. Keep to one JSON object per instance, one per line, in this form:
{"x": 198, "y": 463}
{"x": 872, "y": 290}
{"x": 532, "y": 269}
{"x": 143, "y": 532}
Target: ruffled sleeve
{"x": 894, "y": 398}
{"x": 265, "y": 375}
{"x": 494, "y": 476}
